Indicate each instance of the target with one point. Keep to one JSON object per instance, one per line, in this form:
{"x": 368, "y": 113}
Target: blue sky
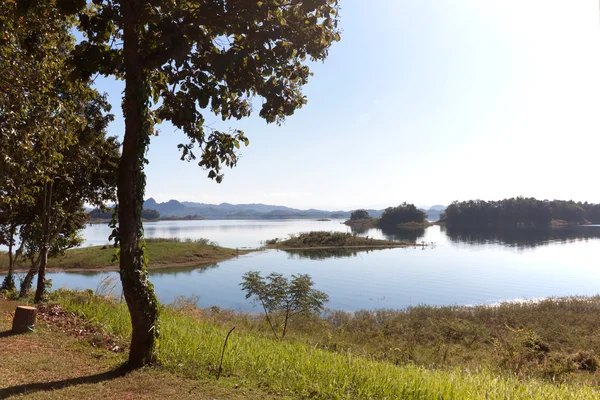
{"x": 425, "y": 102}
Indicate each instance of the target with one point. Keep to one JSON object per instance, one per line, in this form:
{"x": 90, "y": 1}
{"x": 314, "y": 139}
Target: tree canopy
{"x": 519, "y": 211}
{"x": 180, "y": 60}
{"x": 359, "y": 214}
{"x": 56, "y": 155}
{"x": 402, "y": 214}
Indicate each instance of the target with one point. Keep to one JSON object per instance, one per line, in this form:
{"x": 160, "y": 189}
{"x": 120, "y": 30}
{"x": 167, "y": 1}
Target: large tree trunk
{"x": 41, "y": 281}
{"x": 138, "y": 291}
{"x": 27, "y": 282}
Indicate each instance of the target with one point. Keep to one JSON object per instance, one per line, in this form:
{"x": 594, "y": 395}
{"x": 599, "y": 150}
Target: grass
{"x": 50, "y": 364}
{"x": 190, "y": 346}
{"x": 161, "y": 252}
{"x": 331, "y": 239}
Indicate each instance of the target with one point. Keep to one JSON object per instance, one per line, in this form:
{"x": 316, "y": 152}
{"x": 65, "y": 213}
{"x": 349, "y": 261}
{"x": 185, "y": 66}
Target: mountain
{"x": 433, "y": 212}
{"x": 174, "y": 208}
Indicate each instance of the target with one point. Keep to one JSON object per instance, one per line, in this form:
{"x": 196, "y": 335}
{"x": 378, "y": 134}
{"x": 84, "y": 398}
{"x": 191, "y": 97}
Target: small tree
{"x": 359, "y": 214}
{"x": 281, "y": 298}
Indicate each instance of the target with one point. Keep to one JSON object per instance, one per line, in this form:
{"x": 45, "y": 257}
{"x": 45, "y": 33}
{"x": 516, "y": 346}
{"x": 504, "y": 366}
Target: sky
{"x": 421, "y": 101}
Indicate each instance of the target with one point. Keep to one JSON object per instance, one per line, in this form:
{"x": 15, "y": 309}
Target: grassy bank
{"x": 192, "y": 339}
{"x": 330, "y": 240}
{"x": 163, "y": 253}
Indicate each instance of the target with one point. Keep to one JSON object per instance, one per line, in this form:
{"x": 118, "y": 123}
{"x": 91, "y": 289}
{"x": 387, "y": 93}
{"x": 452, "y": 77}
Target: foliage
{"x": 359, "y": 214}
{"x": 53, "y": 130}
{"x": 279, "y": 297}
{"x": 404, "y": 213}
{"x": 180, "y": 59}
{"x": 191, "y": 347}
{"x": 517, "y": 212}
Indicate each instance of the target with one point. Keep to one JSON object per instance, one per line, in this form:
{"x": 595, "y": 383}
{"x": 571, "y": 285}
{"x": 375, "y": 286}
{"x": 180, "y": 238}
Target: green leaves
{"x": 282, "y": 299}
{"x": 213, "y": 56}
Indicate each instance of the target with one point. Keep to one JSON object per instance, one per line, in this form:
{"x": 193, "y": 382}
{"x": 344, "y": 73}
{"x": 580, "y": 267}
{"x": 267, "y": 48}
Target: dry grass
{"x": 554, "y": 339}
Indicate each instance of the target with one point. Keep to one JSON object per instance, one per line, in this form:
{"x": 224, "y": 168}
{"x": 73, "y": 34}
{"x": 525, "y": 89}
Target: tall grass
{"x": 192, "y": 347}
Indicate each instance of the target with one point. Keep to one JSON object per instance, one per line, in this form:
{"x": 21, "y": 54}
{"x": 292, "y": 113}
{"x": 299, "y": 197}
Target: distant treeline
{"x": 97, "y": 213}
{"x": 519, "y": 212}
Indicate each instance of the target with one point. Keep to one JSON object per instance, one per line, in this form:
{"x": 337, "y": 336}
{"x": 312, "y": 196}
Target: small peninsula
{"x": 163, "y": 253}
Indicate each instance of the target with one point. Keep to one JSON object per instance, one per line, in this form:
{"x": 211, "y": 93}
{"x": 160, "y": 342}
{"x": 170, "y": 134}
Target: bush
{"x": 280, "y": 297}
{"x": 359, "y": 214}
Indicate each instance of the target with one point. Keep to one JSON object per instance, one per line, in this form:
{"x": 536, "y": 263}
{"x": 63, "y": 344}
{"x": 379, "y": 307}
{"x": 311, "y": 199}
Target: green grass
{"x": 161, "y": 252}
{"x": 191, "y": 347}
{"x": 331, "y": 239}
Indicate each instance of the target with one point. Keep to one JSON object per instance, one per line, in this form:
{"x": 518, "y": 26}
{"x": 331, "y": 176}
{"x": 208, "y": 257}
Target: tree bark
{"x": 27, "y": 282}
{"x": 41, "y": 281}
{"x": 137, "y": 289}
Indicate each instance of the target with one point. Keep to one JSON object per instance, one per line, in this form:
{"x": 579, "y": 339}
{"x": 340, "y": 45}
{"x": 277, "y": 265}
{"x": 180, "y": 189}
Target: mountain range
{"x": 174, "y": 208}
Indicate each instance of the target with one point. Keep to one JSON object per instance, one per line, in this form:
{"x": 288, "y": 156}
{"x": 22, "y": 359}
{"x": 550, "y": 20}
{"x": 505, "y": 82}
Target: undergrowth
{"x": 191, "y": 346}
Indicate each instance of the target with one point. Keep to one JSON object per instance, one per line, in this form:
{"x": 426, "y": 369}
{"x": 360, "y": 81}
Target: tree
{"x": 279, "y": 297}
{"x": 404, "y": 213}
{"x": 180, "y": 59}
{"x": 32, "y": 54}
{"x": 359, "y": 214}
{"x": 53, "y": 131}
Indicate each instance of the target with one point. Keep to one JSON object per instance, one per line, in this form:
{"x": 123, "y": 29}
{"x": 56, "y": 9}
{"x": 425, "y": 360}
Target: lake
{"x": 457, "y": 268}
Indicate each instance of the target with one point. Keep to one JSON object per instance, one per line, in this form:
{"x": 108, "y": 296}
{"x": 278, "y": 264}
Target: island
{"x": 405, "y": 215}
{"x": 519, "y": 212}
{"x": 332, "y": 240}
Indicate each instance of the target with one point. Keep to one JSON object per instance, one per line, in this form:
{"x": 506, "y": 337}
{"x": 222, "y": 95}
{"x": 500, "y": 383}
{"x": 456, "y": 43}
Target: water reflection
{"x": 322, "y": 254}
{"x": 520, "y": 238}
{"x": 411, "y": 235}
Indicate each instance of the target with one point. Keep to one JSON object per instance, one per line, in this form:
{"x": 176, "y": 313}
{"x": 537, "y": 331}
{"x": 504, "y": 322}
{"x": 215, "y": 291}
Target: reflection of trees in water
{"x": 404, "y": 234}
{"x": 322, "y": 254}
{"x": 181, "y": 271}
{"x": 411, "y": 235}
{"x": 522, "y": 238}
{"x": 359, "y": 230}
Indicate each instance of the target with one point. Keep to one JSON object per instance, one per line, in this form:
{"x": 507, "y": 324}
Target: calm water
{"x": 459, "y": 268}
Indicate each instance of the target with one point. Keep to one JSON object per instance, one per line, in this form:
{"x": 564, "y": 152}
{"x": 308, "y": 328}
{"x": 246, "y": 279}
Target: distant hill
{"x": 174, "y": 208}
{"x": 433, "y": 212}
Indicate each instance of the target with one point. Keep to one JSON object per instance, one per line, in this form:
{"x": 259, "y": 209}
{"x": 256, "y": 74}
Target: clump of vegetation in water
{"x": 403, "y": 216}
{"x": 331, "y": 239}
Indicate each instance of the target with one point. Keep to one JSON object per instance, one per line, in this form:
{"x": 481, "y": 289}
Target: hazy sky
{"x": 422, "y": 101}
